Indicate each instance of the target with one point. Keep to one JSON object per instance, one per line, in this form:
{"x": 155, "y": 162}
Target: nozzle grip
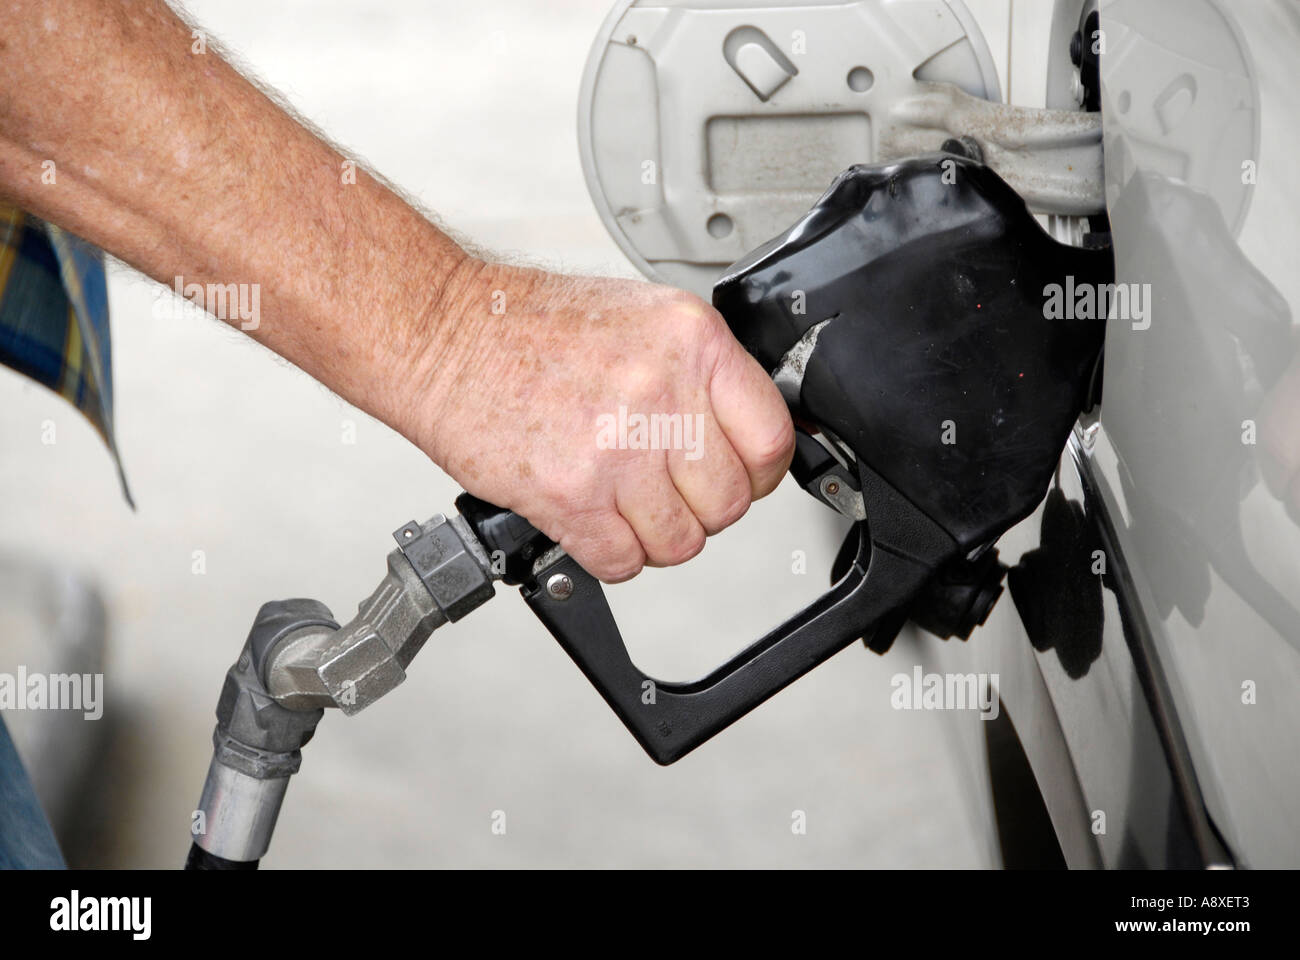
{"x": 899, "y": 549}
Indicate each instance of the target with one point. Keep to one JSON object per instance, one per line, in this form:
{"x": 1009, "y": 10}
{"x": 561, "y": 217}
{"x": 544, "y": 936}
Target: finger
{"x": 754, "y": 418}
{"x": 667, "y": 529}
{"x": 709, "y": 475}
{"x": 604, "y": 545}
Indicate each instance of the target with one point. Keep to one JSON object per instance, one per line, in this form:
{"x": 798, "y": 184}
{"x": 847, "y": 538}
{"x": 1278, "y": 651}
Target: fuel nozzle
{"x": 956, "y": 600}
{"x": 960, "y": 597}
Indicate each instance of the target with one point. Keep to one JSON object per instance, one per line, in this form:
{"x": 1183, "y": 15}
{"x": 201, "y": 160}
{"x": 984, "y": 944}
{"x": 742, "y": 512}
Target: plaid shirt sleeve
{"x": 54, "y": 317}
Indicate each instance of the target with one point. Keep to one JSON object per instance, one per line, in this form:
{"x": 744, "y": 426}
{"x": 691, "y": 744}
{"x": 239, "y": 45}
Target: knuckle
{"x": 605, "y": 551}
{"x": 731, "y": 510}
{"x": 692, "y": 316}
{"x": 693, "y": 544}
{"x": 682, "y": 548}
{"x": 570, "y": 490}
{"x": 643, "y": 381}
{"x": 776, "y": 447}
{"x": 620, "y": 569}
{"x": 687, "y": 302}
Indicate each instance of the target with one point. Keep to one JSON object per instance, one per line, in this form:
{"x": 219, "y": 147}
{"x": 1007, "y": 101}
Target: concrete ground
{"x": 233, "y": 453}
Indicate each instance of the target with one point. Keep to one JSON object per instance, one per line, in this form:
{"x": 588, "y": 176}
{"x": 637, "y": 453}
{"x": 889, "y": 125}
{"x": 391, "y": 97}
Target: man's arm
{"x": 114, "y": 126}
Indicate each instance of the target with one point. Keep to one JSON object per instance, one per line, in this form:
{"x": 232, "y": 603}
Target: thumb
{"x": 753, "y": 416}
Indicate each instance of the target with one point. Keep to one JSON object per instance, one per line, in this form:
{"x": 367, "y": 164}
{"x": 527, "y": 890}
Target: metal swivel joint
{"x": 297, "y": 660}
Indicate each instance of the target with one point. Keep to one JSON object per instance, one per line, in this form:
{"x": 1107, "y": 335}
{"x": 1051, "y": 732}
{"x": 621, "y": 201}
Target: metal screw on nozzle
{"x": 560, "y": 587}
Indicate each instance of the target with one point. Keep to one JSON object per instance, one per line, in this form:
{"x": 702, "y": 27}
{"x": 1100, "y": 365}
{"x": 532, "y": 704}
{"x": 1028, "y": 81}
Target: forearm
{"x": 166, "y": 157}
{"x": 112, "y": 126}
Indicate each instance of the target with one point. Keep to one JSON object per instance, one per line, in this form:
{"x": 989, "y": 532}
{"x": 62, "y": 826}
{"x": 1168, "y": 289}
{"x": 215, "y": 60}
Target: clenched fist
{"x": 621, "y": 418}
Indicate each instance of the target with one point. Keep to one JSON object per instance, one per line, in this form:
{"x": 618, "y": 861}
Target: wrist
{"x": 457, "y": 345}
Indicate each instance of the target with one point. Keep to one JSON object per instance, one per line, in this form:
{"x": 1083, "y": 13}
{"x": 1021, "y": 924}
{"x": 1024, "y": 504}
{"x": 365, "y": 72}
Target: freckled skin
{"x": 555, "y": 368}
{"x": 176, "y": 164}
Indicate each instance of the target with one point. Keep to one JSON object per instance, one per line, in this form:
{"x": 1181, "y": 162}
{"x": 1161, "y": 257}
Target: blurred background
{"x": 254, "y": 483}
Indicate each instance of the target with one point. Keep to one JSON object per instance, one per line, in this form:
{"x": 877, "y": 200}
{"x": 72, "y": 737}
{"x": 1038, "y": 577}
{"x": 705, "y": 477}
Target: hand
{"x": 530, "y": 395}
